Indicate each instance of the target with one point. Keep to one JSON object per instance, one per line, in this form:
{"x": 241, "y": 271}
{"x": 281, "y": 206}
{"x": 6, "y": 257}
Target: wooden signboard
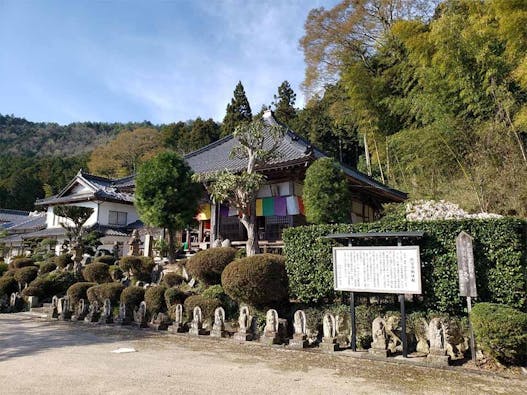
{"x": 394, "y": 270}
{"x": 465, "y": 265}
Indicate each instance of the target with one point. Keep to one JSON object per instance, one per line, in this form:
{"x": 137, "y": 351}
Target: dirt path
{"x": 40, "y": 357}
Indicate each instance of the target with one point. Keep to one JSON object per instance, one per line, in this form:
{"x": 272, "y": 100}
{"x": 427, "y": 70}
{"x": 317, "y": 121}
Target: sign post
{"x": 467, "y": 279}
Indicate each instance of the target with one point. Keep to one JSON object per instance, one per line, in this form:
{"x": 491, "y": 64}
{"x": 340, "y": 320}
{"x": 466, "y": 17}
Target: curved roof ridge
{"x": 208, "y": 146}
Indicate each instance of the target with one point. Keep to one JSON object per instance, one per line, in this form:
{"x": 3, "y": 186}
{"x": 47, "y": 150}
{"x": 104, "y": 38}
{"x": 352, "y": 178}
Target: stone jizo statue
{"x": 196, "y": 326}
{"x": 329, "y": 340}
{"x": 177, "y": 326}
{"x": 218, "y": 328}
{"x": 244, "y": 322}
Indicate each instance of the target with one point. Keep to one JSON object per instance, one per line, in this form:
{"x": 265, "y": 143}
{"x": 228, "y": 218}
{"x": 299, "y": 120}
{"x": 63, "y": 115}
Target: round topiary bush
{"x": 116, "y": 273}
{"x": 97, "y": 272}
{"x": 172, "y": 279}
{"x": 155, "y": 299}
{"x": 108, "y": 259}
{"x": 140, "y": 267}
{"x": 258, "y": 280}
{"x": 8, "y": 285}
{"x": 174, "y": 296}
{"x": 78, "y": 291}
{"x": 48, "y": 285}
{"x": 63, "y": 260}
{"x": 501, "y": 332}
{"x": 207, "y": 265}
{"x": 101, "y": 292}
{"x": 26, "y": 275}
{"x": 207, "y": 306}
{"x": 47, "y": 267}
{"x": 132, "y": 297}
{"x": 19, "y": 263}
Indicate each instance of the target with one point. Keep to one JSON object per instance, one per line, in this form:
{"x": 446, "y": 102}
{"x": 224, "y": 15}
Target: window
{"x": 117, "y": 218}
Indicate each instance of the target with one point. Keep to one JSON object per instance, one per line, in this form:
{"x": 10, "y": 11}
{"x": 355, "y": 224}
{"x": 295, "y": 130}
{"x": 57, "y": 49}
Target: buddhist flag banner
{"x": 203, "y": 212}
{"x": 268, "y": 206}
{"x": 292, "y": 205}
{"x": 280, "y": 206}
{"x": 301, "y": 206}
{"x": 259, "y": 208}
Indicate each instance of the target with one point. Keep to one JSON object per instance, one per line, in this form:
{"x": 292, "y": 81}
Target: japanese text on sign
{"x": 377, "y": 269}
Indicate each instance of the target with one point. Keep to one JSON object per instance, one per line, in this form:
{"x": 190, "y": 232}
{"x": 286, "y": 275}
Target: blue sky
{"x": 162, "y": 61}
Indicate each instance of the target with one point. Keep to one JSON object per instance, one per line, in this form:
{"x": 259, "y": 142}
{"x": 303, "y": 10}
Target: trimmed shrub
{"x": 47, "y": 267}
{"x": 63, "y": 260}
{"x": 207, "y": 306}
{"x": 45, "y": 287}
{"x": 116, "y": 273}
{"x": 78, "y": 291}
{"x": 171, "y": 279}
{"x": 140, "y": 267}
{"x": 26, "y": 274}
{"x": 258, "y": 280}
{"x": 132, "y": 296}
{"x": 3, "y": 268}
{"x": 19, "y": 263}
{"x": 501, "y": 332}
{"x": 217, "y": 292}
{"x": 207, "y": 265}
{"x": 155, "y": 300}
{"x": 174, "y": 296}
{"x": 108, "y": 259}
{"x": 97, "y": 272}
{"x": 8, "y": 285}
{"x": 500, "y": 263}
{"x": 101, "y": 292}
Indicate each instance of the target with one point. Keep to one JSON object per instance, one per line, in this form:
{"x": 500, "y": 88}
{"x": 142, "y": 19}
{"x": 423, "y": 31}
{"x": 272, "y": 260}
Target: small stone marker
{"x": 140, "y": 316}
{"x": 106, "y": 315}
{"x": 177, "y": 326}
{"x": 245, "y": 326}
{"x": 196, "y": 326}
{"x": 160, "y": 322}
{"x": 436, "y": 336}
{"x": 81, "y": 311}
{"x": 378, "y": 333}
{"x": 54, "y": 307}
{"x": 270, "y": 335}
{"x": 93, "y": 312}
{"x": 218, "y": 328}
{"x": 300, "y": 325}
{"x": 63, "y": 308}
{"x": 123, "y": 318}
{"x": 329, "y": 340}
{"x": 32, "y": 301}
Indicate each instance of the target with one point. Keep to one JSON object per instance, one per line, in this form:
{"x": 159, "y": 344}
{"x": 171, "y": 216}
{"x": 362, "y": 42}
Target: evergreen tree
{"x": 238, "y": 111}
{"x": 284, "y": 103}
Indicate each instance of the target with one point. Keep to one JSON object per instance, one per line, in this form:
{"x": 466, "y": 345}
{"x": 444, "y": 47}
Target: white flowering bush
{"x": 431, "y": 210}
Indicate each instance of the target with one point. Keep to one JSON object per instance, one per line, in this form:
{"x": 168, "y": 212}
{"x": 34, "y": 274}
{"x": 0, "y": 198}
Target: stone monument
{"x": 379, "y": 346}
{"x": 218, "y": 328}
{"x": 134, "y": 243}
{"x": 436, "y": 337}
{"x": 140, "y": 316}
{"x": 106, "y": 315}
{"x": 300, "y": 326}
{"x": 329, "y": 339}
{"x": 160, "y": 322}
{"x": 64, "y": 309}
{"x": 177, "y": 325}
{"x": 123, "y": 318}
{"x": 16, "y": 303}
{"x": 54, "y": 313}
{"x": 93, "y": 312}
{"x": 81, "y": 311}
{"x": 395, "y": 344}
{"x": 196, "y": 326}
{"x": 271, "y": 335}
{"x": 244, "y": 326}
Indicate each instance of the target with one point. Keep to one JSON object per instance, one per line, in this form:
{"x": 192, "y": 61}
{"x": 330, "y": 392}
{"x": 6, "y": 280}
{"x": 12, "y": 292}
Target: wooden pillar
{"x": 214, "y": 222}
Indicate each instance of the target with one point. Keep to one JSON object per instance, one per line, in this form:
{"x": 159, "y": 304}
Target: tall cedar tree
{"x": 238, "y": 111}
{"x": 166, "y": 196}
{"x": 326, "y": 193}
{"x": 284, "y": 104}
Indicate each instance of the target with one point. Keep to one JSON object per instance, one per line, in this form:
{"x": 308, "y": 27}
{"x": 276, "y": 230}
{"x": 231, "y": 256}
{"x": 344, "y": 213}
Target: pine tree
{"x": 238, "y": 111}
{"x": 284, "y": 104}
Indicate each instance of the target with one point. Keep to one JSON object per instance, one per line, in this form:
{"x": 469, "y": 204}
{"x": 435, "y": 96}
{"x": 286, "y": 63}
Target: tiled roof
{"x": 31, "y": 222}
{"x": 12, "y": 215}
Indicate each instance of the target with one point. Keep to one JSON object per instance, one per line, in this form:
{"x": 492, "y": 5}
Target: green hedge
{"x": 498, "y": 255}
{"x": 501, "y": 332}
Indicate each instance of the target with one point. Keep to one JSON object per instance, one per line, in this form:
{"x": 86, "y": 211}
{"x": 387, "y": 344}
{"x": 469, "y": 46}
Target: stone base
{"x": 329, "y": 346}
{"x": 176, "y": 328}
{"x": 140, "y": 324}
{"x": 270, "y": 340}
{"x": 218, "y": 333}
{"x": 197, "y": 332}
{"x": 163, "y": 326}
{"x": 378, "y": 352}
{"x": 243, "y": 336}
{"x": 298, "y": 343}
{"x": 437, "y": 359}
{"x": 106, "y": 320}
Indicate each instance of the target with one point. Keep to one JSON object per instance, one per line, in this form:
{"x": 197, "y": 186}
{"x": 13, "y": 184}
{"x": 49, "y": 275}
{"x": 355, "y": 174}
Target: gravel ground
{"x": 43, "y": 357}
